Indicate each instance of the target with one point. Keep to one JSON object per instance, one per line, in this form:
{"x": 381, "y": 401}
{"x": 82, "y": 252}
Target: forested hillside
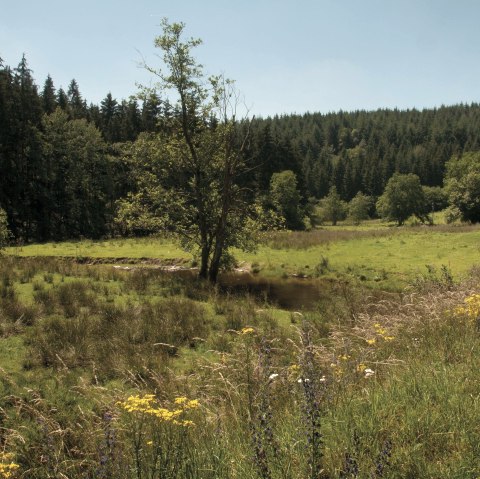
{"x": 64, "y": 162}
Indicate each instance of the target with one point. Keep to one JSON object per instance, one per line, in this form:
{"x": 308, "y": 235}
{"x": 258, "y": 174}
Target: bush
{"x": 4, "y": 231}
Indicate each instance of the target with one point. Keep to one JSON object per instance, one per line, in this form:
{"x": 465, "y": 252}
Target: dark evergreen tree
{"x": 62, "y": 100}
{"x": 26, "y": 188}
{"x": 110, "y": 124}
{"x": 49, "y": 100}
{"x": 78, "y": 107}
{"x": 150, "y": 113}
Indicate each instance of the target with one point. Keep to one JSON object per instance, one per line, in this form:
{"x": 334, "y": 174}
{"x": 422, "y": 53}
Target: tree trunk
{"x": 215, "y": 263}
{"x": 205, "y": 253}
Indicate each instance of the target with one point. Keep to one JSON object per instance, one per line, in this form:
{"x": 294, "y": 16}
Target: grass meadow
{"x": 384, "y": 257}
{"x": 109, "y": 372}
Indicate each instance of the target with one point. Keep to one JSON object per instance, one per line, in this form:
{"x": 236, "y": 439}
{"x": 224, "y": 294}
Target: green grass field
{"x": 367, "y": 384}
{"x": 387, "y": 258}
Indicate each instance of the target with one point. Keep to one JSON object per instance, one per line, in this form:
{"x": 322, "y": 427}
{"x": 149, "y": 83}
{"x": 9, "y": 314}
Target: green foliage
{"x": 79, "y": 174}
{"x": 436, "y": 198}
{"x": 191, "y": 187}
{"x": 4, "y": 231}
{"x": 462, "y": 182}
{"x": 402, "y": 198}
{"x": 359, "y": 208}
{"x": 354, "y": 152}
{"x": 285, "y": 198}
{"x": 332, "y": 207}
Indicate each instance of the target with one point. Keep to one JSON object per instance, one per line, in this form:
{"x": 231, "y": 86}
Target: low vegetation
{"x": 132, "y": 372}
{"x": 382, "y": 256}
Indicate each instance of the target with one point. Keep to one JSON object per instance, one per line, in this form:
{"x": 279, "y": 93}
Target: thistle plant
{"x": 108, "y": 458}
{"x": 312, "y": 397}
{"x": 265, "y": 446}
{"x": 383, "y": 460}
{"x": 350, "y": 469}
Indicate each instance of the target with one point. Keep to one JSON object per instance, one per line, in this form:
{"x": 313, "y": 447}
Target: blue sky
{"x": 286, "y": 56}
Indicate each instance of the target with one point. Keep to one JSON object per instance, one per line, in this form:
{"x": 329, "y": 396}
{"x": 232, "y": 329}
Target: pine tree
{"x": 78, "y": 107}
{"x": 109, "y": 118}
{"x": 49, "y": 100}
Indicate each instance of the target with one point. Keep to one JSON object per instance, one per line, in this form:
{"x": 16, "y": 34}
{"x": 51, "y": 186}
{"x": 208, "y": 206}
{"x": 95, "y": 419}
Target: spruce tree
{"x": 49, "y": 100}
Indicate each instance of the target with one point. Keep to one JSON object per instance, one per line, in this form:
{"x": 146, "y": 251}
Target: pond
{"x": 289, "y": 293}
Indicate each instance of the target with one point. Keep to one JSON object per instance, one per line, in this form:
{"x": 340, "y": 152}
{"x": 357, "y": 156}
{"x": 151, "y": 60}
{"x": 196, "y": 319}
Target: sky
{"x": 285, "y": 56}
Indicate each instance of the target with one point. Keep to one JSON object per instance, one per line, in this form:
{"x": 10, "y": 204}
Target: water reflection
{"x": 288, "y": 293}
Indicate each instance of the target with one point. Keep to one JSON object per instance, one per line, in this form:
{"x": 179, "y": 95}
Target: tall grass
{"x": 368, "y": 385}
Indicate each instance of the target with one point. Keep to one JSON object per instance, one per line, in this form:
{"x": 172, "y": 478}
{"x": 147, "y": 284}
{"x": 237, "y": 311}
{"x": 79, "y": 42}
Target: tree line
{"x": 66, "y": 167}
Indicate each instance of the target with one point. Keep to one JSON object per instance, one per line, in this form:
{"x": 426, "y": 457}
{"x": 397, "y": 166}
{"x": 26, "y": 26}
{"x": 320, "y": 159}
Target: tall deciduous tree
{"x": 462, "y": 183}
{"x": 333, "y": 208}
{"x": 402, "y": 198}
{"x": 285, "y": 198}
{"x": 194, "y": 186}
{"x": 359, "y": 207}
{"x": 79, "y": 177}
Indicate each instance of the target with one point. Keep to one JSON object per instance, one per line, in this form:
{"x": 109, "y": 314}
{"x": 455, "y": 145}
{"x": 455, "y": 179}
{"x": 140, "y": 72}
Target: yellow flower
{"x": 361, "y": 367}
{"x": 247, "y": 331}
{"x": 138, "y": 403}
{"x": 471, "y": 309}
{"x": 192, "y": 404}
{"x": 7, "y": 466}
{"x": 145, "y": 405}
{"x": 389, "y": 338}
{"x": 371, "y": 341}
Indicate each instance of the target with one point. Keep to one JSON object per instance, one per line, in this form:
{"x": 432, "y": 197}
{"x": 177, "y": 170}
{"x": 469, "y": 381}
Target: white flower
{"x": 273, "y": 376}
{"x": 323, "y": 379}
{"x": 369, "y": 372}
{"x": 302, "y": 380}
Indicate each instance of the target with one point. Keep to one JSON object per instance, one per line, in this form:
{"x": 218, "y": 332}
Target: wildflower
{"x": 303, "y": 380}
{"x": 273, "y": 376}
{"x": 192, "y": 404}
{"x": 381, "y": 331}
{"x": 371, "y": 341}
{"x": 247, "y": 331}
{"x": 323, "y": 379}
{"x": 369, "y": 372}
{"x": 145, "y": 405}
{"x": 389, "y": 338}
{"x": 471, "y": 309}
{"x": 188, "y": 423}
{"x": 138, "y": 403}
{"x": 345, "y": 357}
{"x": 361, "y": 368}
{"x": 7, "y": 466}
